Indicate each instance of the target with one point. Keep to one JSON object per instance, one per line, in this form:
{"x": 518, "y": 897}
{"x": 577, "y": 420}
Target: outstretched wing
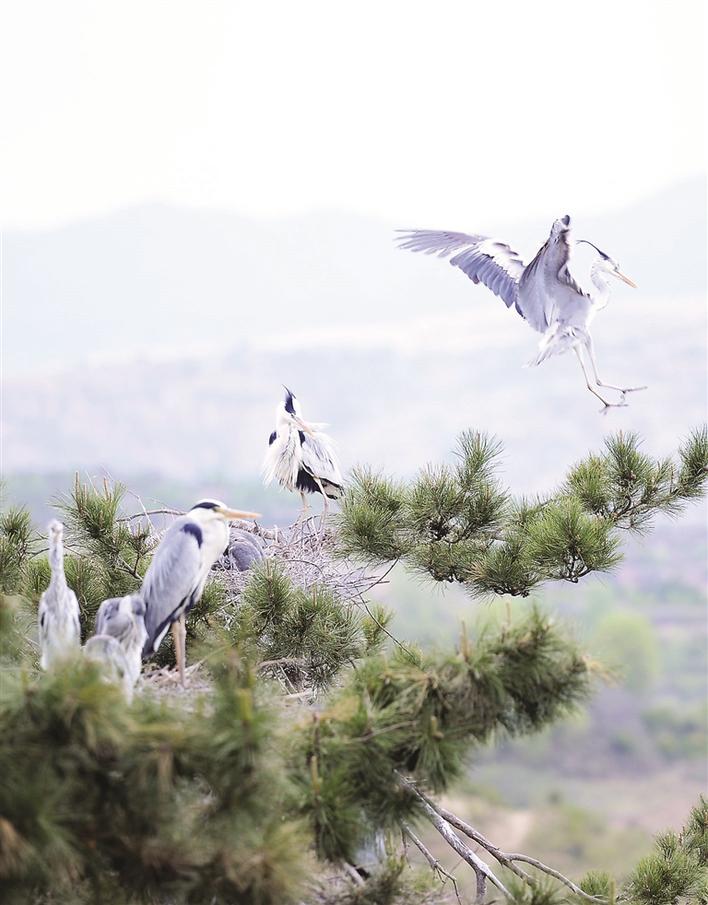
{"x": 319, "y": 459}
{"x": 484, "y": 260}
{"x": 171, "y": 580}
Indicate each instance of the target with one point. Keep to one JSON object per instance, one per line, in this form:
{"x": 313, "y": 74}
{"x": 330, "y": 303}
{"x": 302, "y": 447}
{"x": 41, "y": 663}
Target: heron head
{"x": 133, "y": 605}
{"x": 606, "y": 264}
{"x": 289, "y": 413}
{"x": 560, "y": 226}
{"x": 55, "y": 529}
{"x": 206, "y": 510}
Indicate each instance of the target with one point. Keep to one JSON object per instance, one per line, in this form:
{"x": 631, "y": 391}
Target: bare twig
{"x": 435, "y": 865}
{"x": 146, "y": 513}
{"x": 454, "y": 841}
{"x": 506, "y": 859}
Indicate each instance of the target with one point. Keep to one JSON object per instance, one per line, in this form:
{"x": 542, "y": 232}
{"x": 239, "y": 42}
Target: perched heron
{"x": 545, "y": 292}
{"x": 59, "y": 628}
{"x": 244, "y": 549}
{"x": 120, "y": 619}
{"x": 300, "y": 456}
{"x": 175, "y": 578}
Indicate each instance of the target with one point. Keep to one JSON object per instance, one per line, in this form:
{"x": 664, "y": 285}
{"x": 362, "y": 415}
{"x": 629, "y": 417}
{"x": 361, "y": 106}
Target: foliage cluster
{"x": 317, "y": 737}
{"x": 457, "y": 523}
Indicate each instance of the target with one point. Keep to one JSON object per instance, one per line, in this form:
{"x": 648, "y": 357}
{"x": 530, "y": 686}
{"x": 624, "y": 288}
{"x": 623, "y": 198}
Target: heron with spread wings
{"x": 545, "y": 292}
{"x": 301, "y": 456}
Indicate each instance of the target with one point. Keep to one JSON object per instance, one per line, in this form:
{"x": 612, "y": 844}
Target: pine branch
{"x": 460, "y": 525}
{"x": 439, "y": 816}
{"x": 481, "y": 870}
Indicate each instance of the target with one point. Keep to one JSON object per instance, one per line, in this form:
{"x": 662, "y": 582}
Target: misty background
{"x": 198, "y": 206}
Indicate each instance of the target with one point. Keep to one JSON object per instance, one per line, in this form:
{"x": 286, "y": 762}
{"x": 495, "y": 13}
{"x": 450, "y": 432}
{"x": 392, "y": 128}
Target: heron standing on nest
{"x": 59, "y": 628}
{"x": 300, "y": 456}
{"x": 175, "y": 578}
{"x": 545, "y": 292}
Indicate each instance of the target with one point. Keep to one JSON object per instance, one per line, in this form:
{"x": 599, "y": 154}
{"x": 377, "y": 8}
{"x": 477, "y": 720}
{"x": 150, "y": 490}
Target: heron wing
{"x": 319, "y": 459}
{"x": 483, "y": 259}
{"x": 172, "y": 578}
{"x": 547, "y": 285}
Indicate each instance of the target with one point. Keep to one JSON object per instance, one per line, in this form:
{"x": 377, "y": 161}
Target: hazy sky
{"x": 447, "y": 113}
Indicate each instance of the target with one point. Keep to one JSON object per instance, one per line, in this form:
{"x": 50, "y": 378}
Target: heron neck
{"x": 56, "y": 563}
{"x": 600, "y": 281}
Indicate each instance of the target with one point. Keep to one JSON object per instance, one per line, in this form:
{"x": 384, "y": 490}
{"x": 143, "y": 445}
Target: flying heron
{"x": 119, "y": 639}
{"x": 545, "y": 292}
{"x": 300, "y": 456}
{"x": 59, "y": 629}
{"x": 175, "y": 578}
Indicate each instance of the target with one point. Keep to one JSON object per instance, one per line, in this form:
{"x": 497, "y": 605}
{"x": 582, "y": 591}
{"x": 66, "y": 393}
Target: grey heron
{"x": 300, "y": 456}
{"x": 176, "y": 576}
{"x": 121, "y": 621}
{"x": 105, "y": 651}
{"x": 545, "y": 292}
{"x": 244, "y": 550}
{"x": 59, "y": 627}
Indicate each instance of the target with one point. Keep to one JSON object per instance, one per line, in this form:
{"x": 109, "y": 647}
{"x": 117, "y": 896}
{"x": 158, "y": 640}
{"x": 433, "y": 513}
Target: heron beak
{"x": 237, "y": 513}
{"x": 621, "y": 276}
{"x": 303, "y": 425}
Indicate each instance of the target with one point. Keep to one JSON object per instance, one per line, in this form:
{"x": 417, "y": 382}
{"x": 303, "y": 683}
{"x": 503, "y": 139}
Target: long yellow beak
{"x": 237, "y": 513}
{"x": 621, "y": 276}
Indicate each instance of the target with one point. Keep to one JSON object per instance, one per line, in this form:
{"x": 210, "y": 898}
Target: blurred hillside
{"x": 156, "y": 341}
{"x": 157, "y": 278}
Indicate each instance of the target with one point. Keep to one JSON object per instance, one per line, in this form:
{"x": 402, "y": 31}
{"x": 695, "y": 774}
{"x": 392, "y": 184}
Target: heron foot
{"x": 621, "y": 390}
{"x": 613, "y": 405}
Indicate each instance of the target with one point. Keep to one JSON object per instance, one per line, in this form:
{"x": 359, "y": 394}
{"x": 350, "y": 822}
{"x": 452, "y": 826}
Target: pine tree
{"x": 318, "y": 734}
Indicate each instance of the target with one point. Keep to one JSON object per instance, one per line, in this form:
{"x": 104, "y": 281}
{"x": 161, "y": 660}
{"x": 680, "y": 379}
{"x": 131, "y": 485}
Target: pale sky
{"x": 448, "y": 113}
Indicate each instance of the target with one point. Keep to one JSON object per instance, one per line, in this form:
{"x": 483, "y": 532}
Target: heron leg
{"x": 588, "y": 384}
{"x": 179, "y": 636}
{"x": 589, "y": 346}
{"x": 305, "y": 505}
{"x": 325, "y": 504}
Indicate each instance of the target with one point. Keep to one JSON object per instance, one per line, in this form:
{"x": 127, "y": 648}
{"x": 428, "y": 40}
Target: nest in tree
{"x": 307, "y": 553}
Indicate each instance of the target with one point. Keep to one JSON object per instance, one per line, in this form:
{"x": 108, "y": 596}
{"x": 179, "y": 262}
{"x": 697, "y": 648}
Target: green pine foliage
{"x": 678, "y": 868}
{"x": 305, "y": 636}
{"x": 457, "y": 523}
{"x": 320, "y": 732}
{"x": 17, "y": 542}
{"x": 421, "y": 715}
{"x": 104, "y": 803}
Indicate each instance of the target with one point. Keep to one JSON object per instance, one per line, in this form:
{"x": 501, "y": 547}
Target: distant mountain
{"x": 160, "y": 279}
{"x": 156, "y": 341}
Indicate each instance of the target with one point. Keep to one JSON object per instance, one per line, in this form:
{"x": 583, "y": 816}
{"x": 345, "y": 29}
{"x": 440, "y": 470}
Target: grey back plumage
{"x": 319, "y": 459}
{"x": 173, "y": 581}
{"x": 245, "y": 549}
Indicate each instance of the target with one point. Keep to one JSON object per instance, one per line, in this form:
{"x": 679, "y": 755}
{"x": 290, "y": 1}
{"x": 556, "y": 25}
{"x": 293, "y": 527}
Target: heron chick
{"x": 545, "y": 292}
{"x": 179, "y": 569}
{"x": 58, "y": 615}
{"x": 300, "y": 456}
{"x": 123, "y": 618}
